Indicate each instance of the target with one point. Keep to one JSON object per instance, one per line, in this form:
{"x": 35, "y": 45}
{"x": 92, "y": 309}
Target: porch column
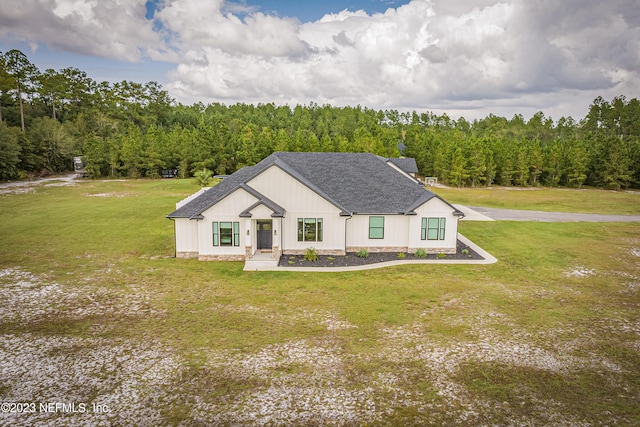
{"x": 248, "y": 252}
{"x": 276, "y": 238}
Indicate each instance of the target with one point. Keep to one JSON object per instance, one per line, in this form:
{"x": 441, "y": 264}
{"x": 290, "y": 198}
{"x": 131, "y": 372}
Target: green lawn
{"x": 548, "y": 335}
{"x": 588, "y": 200}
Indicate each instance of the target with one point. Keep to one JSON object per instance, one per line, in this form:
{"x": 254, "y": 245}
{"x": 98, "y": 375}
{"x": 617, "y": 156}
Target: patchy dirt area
{"x": 28, "y": 298}
{"x": 107, "y": 195}
{"x": 120, "y": 377}
{"x": 580, "y": 272}
{"x": 21, "y": 187}
{"x": 320, "y": 381}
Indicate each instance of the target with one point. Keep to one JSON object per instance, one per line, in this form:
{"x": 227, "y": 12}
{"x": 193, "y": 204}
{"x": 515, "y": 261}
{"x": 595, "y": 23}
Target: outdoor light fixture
{"x": 275, "y": 232}
{"x": 248, "y": 232}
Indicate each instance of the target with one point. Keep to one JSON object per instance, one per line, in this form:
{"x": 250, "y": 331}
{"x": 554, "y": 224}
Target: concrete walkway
{"x": 476, "y": 213}
{"x": 488, "y": 259}
{"x": 260, "y": 262}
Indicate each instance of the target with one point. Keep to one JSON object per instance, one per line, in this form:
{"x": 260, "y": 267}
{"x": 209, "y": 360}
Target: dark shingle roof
{"x": 407, "y": 164}
{"x": 353, "y": 182}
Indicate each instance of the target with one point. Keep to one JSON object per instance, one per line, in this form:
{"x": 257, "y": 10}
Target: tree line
{"x": 128, "y": 129}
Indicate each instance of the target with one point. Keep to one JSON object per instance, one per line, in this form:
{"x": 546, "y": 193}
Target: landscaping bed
{"x": 463, "y": 251}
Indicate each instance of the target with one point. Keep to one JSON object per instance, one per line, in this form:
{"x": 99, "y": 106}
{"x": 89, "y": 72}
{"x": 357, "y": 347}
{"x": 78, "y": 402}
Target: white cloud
{"x": 203, "y": 24}
{"x": 468, "y": 57}
{"x": 106, "y": 28}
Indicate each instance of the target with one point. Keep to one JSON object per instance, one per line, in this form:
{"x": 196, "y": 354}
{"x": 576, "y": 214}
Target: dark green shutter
{"x": 214, "y": 227}
{"x": 236, "y": 234}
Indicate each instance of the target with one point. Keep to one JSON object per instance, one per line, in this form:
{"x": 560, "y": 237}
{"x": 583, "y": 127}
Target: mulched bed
{"x": 374, "y": 257}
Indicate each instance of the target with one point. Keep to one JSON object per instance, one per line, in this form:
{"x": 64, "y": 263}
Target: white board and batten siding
{"x": 404, "y": 232}
{"x": 226, "y": 210}
{"x": 396, "y": 230}
{"x": 300, "y": 202}
{"x": 261, "y": 212}
{"x": 186, "y": 232}
{"x": 434, "y": 208}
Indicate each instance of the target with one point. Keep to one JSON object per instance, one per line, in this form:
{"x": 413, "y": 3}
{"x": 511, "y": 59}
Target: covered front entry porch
{"x": 263, "y": 244}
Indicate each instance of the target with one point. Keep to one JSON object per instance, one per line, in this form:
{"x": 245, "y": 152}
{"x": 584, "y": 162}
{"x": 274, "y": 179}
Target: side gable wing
{"x": 424, "y": 200}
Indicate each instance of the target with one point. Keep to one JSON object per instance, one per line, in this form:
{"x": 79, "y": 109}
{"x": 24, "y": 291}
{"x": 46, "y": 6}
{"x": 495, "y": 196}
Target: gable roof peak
{"x": 353, "y": 182}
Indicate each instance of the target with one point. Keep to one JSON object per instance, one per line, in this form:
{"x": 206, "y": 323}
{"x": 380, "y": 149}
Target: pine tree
{"x": 459, "y": 172}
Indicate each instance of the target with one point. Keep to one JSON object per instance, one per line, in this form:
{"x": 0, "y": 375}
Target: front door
{"x": 264, "y": 234}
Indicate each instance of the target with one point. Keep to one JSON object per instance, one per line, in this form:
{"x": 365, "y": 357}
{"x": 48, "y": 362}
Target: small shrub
{"x": 465, "y": 251}
{"x": 311, "y": 254}
{"x": 330, "y": 258}
{"x": 362, "y": 253}
{"x": 420, "y": 253}
{"x": 402, "y": 255}
{"x": 291, "y": 262}
{"x": 441, "y": 256}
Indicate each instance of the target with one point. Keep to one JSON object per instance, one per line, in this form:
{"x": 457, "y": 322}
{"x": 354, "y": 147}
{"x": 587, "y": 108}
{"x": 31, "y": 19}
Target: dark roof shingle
{"x": 353, "y": 182}
{"x": 407, "y": 164}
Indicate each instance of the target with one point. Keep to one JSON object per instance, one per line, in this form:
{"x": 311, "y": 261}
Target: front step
{"x": 260, "y": 261}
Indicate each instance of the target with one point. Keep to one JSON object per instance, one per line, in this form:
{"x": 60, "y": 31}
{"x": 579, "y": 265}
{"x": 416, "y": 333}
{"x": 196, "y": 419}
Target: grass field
{"x": 96, "y": 310}
{"x": 546, "y": 199}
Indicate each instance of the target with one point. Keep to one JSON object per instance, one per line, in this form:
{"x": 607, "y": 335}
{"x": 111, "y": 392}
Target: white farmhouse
{"x": 333, "y": 202}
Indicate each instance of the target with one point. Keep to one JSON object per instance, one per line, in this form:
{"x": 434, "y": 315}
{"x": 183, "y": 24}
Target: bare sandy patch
{"x": 580, "y": 271}
{"x": 126, "y": 378}
{"x": 107, "y": 195}
{"x": 309, "y": 381}
{"x": 18, "y": 190}
{"x": 28, "y": 297}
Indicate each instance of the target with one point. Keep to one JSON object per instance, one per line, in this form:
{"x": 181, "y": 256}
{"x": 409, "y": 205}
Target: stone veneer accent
{"x": 435, "y": 250}
{"x": 221, "y": 258}
{"x": 332, "y": 252}
{"x": 187, "y": 255}
{"x": 275, "y": 251}
{"x": 373, "y": 249}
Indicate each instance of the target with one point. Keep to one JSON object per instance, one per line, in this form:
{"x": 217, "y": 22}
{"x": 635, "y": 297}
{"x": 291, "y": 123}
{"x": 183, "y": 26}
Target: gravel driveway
{"x": 522, "y": 215}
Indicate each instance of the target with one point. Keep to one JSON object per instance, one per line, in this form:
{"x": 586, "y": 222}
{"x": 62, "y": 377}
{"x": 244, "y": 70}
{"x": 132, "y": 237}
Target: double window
{"x": 376, "y": 227}
{"x": 309, "y": 229}
{"x": 433, "y": 228}
{"x": 226, "y": 233}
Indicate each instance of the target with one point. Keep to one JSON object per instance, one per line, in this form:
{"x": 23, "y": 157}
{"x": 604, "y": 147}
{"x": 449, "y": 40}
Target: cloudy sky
{"x": 463, "y": 57}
